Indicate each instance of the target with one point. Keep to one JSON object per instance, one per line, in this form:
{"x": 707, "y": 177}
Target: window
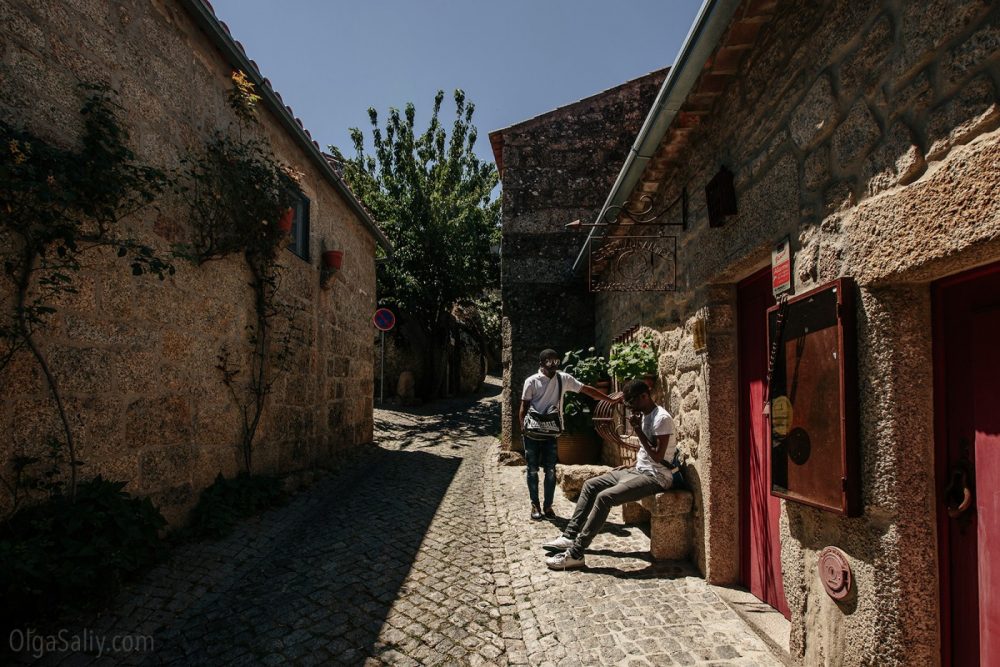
{"x": 300, "y": 229}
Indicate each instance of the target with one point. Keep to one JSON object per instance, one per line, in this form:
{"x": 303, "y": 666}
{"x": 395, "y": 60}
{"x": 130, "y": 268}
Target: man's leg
{"x": 548, "y": 461}
{"x": 585, "y": 502}
{"x": 631, "y": 486}
{"x": 531, "y": 456}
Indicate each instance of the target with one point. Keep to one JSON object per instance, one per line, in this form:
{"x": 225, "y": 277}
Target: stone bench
{"x": 668, "y": 513}
{"x": 670, "y": 529}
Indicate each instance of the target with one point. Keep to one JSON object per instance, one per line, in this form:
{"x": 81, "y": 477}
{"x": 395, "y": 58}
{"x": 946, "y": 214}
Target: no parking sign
{"x": 383, "y": 319}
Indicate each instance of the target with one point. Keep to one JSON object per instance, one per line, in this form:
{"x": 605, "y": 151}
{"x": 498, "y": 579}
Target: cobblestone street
{"x": 421, "y": 554}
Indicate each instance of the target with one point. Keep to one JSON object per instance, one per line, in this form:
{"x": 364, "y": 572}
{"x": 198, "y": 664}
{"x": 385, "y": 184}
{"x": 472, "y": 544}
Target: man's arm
{"x": 524, "y": 409}
{"x": 599, "y": 395}
{"x": 656, "y": 449}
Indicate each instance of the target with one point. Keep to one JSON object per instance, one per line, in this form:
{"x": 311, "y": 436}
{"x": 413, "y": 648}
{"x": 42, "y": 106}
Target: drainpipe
{"x": 706, "y": 31}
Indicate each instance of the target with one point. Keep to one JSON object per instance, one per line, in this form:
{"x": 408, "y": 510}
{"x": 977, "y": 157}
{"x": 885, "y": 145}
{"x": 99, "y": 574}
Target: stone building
{"x": 555, "y": 168}
{"x": 136, "y": 359}
{"x": 865, "y": 134}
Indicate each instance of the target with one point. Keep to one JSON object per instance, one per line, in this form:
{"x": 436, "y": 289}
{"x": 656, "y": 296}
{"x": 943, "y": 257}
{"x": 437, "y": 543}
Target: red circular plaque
{"x": 835, "y": 572}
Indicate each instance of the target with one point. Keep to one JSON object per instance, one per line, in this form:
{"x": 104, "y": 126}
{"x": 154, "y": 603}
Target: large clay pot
{"x": 577, "y": 448}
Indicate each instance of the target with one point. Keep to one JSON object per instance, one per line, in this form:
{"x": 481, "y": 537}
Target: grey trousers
{"x": 598, "y": 496}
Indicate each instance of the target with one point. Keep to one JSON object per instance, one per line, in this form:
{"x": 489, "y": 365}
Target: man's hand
{"x": 617, "y": 397}
{"x": 635, "y": 419}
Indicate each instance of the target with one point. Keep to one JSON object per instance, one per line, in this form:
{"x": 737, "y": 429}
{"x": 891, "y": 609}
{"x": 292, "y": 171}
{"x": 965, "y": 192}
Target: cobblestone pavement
{"x": 421, "y": 554}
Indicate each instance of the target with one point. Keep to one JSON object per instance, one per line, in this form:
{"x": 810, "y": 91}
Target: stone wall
{"x": 463, "y": 362}
{"x": 556, "y": 168}
{"x": 867, "y": 133}
{"x": 135, "y": 358}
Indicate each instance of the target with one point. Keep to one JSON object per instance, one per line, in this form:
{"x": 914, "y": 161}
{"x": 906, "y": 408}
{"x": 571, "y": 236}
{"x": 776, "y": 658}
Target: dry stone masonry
{"x": 136, "y": 359}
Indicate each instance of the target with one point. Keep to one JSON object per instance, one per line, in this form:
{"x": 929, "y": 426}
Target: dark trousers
{"x": 598, "y": 496}
{"x": 541, "y": 453}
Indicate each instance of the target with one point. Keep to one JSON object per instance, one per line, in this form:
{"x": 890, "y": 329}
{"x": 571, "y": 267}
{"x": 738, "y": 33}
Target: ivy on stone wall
{"x": 237, "y": 191}
{"x": 57, "y": 203}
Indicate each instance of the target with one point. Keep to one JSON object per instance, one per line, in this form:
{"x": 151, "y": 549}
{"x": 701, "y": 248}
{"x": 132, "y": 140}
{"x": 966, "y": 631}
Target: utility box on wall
{"x": 814, "y": 399}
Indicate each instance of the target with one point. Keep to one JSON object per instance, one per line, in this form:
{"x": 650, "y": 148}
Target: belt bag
{"x": 539, "y": 425}
{"x": 545, "y": 425}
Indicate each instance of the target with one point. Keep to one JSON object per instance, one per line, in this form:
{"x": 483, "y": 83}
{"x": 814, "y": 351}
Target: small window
{"x": 300, "y": 229}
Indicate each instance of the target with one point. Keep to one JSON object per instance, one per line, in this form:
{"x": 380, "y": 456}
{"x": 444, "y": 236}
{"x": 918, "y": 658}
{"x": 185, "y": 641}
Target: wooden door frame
{"x": 941, "y": 445}
{"x": 743, "y": 465}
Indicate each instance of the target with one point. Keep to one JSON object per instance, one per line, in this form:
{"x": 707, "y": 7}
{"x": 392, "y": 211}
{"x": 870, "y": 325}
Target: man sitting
{"x": 655, "y": 429}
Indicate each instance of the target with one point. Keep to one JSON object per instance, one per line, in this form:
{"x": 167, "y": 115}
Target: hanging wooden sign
{"x": 634, "y": 264}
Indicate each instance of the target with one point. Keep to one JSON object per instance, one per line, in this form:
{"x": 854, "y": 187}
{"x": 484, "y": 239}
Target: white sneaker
{"x": 564, "y": 561}
{"x": 561, "y": 543}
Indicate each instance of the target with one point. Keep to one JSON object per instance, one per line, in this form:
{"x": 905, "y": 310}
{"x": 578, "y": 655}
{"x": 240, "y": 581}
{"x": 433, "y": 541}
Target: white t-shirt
{"x": 543, "y": 392}
{"x": 657, "y": 422}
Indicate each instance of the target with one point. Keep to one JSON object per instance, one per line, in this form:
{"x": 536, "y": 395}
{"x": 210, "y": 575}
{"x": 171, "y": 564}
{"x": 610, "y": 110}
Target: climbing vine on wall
{"x": 56, "y": 204}
{"x": 237, "y": 191}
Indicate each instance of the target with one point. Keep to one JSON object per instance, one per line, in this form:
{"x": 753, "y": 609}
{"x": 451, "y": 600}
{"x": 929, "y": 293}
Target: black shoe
{"x": 549, "y": 512}
{"x": 536, "y": 513}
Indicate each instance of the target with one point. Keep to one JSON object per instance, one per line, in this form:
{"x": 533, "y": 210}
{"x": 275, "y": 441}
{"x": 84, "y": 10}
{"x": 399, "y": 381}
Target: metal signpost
{"x": 384, "y": 320}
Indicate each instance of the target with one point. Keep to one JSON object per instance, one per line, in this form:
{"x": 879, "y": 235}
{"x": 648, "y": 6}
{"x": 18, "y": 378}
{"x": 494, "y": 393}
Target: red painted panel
{"x": 760, "y": 547}
{"x": 967, "y": 416}
{"x": 986, "y": 406}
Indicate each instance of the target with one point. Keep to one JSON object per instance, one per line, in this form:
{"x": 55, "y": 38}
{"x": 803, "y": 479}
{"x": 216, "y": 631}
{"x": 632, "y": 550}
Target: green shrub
{"x": 589, "y": 368}
{"x": 633, "y": 359}
{"x": 226, "y": 501}
{"x": 586, "y": 366}
{"x": 75, "y": 552}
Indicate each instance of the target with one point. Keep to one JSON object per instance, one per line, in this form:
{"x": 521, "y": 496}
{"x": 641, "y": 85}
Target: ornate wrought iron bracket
{"x": 640, "y": 212}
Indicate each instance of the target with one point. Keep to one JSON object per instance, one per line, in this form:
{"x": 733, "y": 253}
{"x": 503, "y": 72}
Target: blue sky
{"x": 332, "y": 59}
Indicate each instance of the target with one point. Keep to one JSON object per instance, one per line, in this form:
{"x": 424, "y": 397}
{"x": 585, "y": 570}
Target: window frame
{"x": 299, "y": 243}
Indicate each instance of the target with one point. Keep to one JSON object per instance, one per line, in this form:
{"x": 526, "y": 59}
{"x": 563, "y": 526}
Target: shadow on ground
{"x": 331, "y": 578}
{"x": 316, "y": 577}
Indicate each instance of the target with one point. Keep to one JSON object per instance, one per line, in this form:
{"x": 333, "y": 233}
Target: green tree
{"x": 433, "y": 198}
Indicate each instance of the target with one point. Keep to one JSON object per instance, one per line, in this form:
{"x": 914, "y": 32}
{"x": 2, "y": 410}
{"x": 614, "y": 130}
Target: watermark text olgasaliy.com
{"x": 82, "y": 641}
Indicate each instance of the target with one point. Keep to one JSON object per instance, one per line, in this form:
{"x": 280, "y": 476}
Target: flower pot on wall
{"x": 577, "y": 448}
{"x": 333, "y": 259}
{"x": 285, "y": 222}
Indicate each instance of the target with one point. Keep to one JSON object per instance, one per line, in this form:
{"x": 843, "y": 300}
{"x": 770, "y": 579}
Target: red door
{"x": 760, "y": 547}
{"x": 967, "y": 385}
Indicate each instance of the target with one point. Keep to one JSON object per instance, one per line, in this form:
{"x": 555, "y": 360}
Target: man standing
{"x": 655, "y": 429}
{"x": 542, "y": 393}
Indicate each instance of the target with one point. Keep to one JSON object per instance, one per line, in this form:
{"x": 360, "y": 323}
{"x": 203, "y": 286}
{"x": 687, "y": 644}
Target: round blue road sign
{"x": 383, "y": 319}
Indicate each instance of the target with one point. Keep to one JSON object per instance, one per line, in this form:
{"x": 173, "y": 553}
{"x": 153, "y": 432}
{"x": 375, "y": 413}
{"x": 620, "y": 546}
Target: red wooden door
{"x": 967, "y": 358}
{"x": 760, "y": 546}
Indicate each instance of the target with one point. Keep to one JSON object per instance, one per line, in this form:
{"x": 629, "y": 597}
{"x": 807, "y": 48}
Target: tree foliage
{"x": 433, "y": 198}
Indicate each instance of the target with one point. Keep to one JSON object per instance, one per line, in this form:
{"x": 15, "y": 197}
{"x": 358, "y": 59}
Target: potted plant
{"x": 578, "y": 444}
{"x": 586, "y": 366}
{"x": 286, "y": 220}
{"x": 332, "y": 260}
{"x": 634, "y": 359}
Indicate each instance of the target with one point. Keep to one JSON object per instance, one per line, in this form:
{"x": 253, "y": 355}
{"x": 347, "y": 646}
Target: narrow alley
{"x": 422, "y": 553}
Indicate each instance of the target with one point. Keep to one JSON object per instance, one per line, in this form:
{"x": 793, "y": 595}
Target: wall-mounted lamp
{"x": 331, "y": 260}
